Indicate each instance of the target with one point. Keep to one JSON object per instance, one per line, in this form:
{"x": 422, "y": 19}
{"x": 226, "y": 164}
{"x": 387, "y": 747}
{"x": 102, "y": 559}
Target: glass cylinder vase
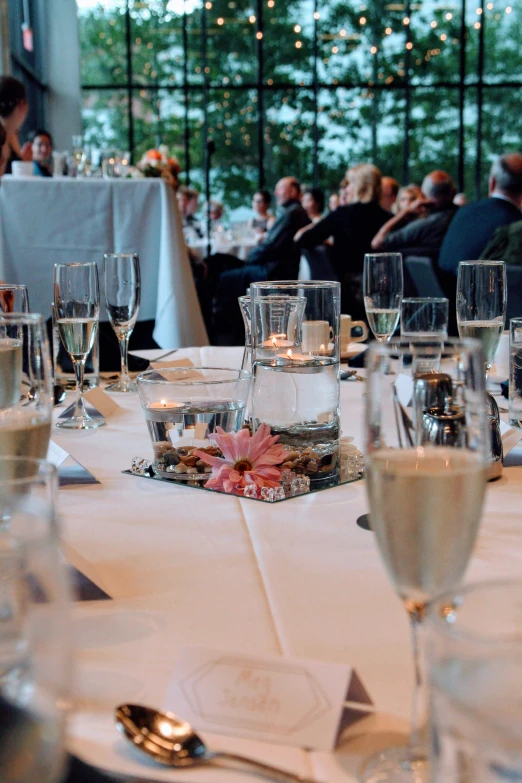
{"x": 295, "y": 365}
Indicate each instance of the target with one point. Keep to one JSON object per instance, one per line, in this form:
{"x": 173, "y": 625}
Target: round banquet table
{"x": 297, "y": 579}
{"x": 234, "y": 247}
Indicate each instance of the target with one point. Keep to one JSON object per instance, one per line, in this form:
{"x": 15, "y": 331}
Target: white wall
{"x": 63, "y": 112}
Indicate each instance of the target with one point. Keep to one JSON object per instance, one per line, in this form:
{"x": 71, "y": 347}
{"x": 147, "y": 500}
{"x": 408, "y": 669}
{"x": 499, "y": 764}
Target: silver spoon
{"x": 173, "y": 742}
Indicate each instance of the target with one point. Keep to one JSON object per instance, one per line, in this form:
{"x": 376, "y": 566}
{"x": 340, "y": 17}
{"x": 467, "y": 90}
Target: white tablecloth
{"x": 234, "y": 247}
{"x": 298, "y": 579}
{"x": 48, "y": 221}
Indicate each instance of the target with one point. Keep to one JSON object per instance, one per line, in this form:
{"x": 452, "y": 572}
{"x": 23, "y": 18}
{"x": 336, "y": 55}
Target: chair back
{"x": 422, "y": 276}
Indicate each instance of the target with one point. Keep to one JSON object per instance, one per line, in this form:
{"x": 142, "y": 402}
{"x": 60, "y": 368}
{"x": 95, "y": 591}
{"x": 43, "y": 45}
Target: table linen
{"x": 299, "y": 579}
{"x": 62, "y": 219}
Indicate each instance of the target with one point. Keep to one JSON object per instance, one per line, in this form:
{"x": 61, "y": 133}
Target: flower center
{"x": 243, "y": 465}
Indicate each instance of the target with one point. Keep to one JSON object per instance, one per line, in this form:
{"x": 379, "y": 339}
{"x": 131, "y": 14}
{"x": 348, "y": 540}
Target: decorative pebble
{"x": 250, "y": 491}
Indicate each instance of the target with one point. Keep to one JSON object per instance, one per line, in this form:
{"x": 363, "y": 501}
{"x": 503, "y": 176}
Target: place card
{"x": 69, "y": 470}
{"x": 101, "y": 401}
{"x": 290, "y": 702}
{"x": 404, "y": 389}
{"x": 172, "y": 363}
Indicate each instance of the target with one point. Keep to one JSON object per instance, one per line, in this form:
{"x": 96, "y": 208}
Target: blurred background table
{"x": 57, "y": 220}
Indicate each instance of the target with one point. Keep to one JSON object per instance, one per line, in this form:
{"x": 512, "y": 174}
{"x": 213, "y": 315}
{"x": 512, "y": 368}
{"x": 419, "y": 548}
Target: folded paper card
{"x": 100, "y": 400}
{"x": 69, "y": 470}
{"x": 290, "y": 702}
{"x": 171, "y": 363}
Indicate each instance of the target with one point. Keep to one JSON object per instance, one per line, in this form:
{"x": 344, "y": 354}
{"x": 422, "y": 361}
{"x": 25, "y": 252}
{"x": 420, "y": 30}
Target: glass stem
{"x": 419, "y": 712}
{"x": 124, "y": 350}
{"x": 79, "y": 410}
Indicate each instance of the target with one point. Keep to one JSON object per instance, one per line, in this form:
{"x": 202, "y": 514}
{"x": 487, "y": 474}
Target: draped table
{"x": 45, "y": 221}
{"x": 298, "y": 579}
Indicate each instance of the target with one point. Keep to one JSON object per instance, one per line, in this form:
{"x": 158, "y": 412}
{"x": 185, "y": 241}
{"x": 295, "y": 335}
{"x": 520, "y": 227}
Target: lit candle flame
{"x": 289, "y": 353}
{"x": 274, "y": 342}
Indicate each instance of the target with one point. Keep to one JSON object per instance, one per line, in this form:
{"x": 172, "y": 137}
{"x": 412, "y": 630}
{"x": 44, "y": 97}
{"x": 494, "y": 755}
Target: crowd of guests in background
{"x": 369, "y": 212}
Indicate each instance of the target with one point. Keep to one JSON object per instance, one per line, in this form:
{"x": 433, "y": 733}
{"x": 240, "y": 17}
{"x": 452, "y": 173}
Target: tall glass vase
{"x": 295, "y": 364}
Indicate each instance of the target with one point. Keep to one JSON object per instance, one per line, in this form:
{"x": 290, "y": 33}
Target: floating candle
{"x": 290, "y": 356}
{"x": 277, "y": 341}
{"x": 165, "y": 405}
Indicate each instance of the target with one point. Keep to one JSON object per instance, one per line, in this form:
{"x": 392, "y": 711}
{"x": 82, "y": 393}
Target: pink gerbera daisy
{"x": 246, "y": 460}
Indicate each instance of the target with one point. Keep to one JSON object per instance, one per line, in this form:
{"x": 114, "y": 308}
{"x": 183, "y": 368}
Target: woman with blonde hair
{"x": 352, "y": 227}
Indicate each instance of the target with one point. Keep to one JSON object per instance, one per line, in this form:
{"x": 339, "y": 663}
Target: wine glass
{"x": 13, "y": 298}
{"x": 382, "y": 289}
{"x": 25, "y": 386}
{"x": 35, "y": 651}
{"x": 481, "y": 304}
{"x": 427, "y": 454}
{"x": 77, "y": 310}
{"x": 122, "y": 297}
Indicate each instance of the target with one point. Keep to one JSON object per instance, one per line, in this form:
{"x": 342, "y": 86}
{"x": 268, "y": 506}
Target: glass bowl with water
{"x": 183, "y": 406}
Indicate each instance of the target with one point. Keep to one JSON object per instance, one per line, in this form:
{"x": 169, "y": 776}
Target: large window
{"x": 305, "y": 87}
{"x": 27, "y": 46}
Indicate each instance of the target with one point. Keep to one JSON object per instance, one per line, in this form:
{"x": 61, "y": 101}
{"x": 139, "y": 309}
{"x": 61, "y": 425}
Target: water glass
{"x": 382, "y": 289}
{"x": 76, "y": 313}
{"x": 427, "y": 454}
{"x": 25, "y": 386}
{"x": 35, "y": 650}
{"x": 295, "y": 360}
{"x": 13, "y": 298}
{"x": 424, "y": 317}
{"x": 475, "y": 672}
{"x": 189, "y": 403}
{"x": 481, "y": 304}
{"x": 515, "y": 372}
{"x": 122, "y": 298}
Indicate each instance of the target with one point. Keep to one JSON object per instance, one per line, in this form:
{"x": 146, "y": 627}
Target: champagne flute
{"x": 35, "y": 650}
{"x": 382, "y": 289}
{"x": 13, "y": 298}
{"x": 25, "y": 386}
{"x": 122, "y": 297}
{"x": 481, "y": 304}
{"x": 427, "y": 453}
{"x": 77, "y": 310}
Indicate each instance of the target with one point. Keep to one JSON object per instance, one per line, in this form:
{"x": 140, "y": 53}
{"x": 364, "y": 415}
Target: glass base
{"x": 395, "y": 765}
{"x": 80, "y": 423}
{"x": 123, "y": 386}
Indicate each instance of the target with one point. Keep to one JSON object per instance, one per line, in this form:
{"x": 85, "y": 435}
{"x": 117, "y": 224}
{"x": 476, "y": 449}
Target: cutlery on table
{"x": 173, "y": 742}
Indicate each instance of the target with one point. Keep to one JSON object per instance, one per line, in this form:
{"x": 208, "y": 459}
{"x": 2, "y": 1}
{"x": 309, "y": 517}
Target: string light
{"x": 259, "y": 35}
{"x": 297, "y": 28}
{"x": 433, "y": 24}
{"x": 373, "y": 50}
{"x": 252, "y": 19}
{"x": 406, "y": 20}
{"x": 449, "y": 16}
{"x": 409, "y": 45}
{"x": 489, "y": 6}
{"x": 342, "y": 33}
{"x": 443, "y": 37}
{"x": 335, "y": 49}
{"x": 298, "y": 44}
{"x": 388, "y": 31}
{"x": 508, "y": 9}
{"x": 270, "y": 3}
{"x": 221, "y": 21}
{"x": 477, "y": 25}
{"x": 362, "y": 20}
{"x": 479, "y": 11}
{"x": 317, "y": 15}
{"x": 208, "y": 6}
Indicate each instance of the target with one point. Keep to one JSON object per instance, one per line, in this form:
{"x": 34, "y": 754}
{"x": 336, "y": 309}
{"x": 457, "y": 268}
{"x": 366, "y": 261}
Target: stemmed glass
{"x": 382, "y": 289}
{"x": 427, "y": 452}
{"x": 122, "y": 298}
{"x": 13, "y": 298}
{"x": 25, "y": 385}
{"x": 481, "y": 304}
{"x": 35, "y": 650}
{"x": 77, "y": 310}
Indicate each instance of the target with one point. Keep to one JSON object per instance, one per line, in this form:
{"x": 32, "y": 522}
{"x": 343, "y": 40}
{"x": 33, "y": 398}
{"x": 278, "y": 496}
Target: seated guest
{"x": 216, "y": 211}
{"x": 352, "y": 228}
{"x": 406, "y": 196}
{"x": 342, "y": 192}
{"x": 42, "y": 152}
{"x": 420, "y": 228}
{"x": 389, "y": 191}
{"x": 276, "y": 258}
{"x": 505, "y": 245}
{"x": 13, "y": 111}
{"x": 263, "y": 218}
{"x": 188, "y": 206}
{"x": 475, "y": 224}
{"x": 333, "y": 202}
{"x": 313, "y": 203}
{"x": 460, "y": 199}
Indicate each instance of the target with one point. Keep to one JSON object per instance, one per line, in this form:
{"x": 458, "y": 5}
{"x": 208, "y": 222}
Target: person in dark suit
{"x": 352, "y": 228}
{"x": 275, "y": 258}
{"x": 475, "y": 224}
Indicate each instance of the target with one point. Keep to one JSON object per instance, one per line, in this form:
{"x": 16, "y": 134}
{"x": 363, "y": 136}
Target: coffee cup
{"x": 317, "y": 335}
{"x": 347, "y": 325}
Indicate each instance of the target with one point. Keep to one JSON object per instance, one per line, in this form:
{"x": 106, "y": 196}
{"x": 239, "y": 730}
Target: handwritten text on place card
{"x": 290, "y": 702}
